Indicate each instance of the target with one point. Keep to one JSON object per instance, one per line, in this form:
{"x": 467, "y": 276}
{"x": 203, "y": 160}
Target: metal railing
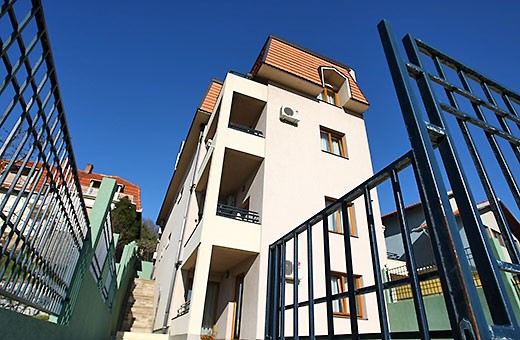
{"x": 246, "y": 129}
{"x": 119, "y": 195}
{"x": 103, "y": 266}
{"x": 237, "y": 213}
{"x": 430, "y": 283}
{"x": 435, "y": 165}
{"x": 91, "y": 191}
{"x": 184, "y": 308}
{"x": 44, "y": 219}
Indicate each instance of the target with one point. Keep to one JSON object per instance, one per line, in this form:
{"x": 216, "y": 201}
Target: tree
{"x": 148, "y": 241}
{"x": 125, "y": 223}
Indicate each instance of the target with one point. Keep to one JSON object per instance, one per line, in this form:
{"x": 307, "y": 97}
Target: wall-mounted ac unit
{"x": 289, "y": 114}
{"x": 289, "y": 271}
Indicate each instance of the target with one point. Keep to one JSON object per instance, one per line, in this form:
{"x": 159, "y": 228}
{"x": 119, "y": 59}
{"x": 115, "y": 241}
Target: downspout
{"x": 178, "y": 261}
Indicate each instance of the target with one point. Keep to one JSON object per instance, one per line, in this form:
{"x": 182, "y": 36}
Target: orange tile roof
{"x": 128, "y": 187}
{"x": 43, "y": 178}
{"x": 210, "y": 99}
{"x": 302, "y": 63}
{"x": 84, "y": 178}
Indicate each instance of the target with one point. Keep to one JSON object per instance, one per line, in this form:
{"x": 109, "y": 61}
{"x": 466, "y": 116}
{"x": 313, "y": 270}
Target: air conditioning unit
{"x": 289, "y": 114}
{"x": 289, "y": 271}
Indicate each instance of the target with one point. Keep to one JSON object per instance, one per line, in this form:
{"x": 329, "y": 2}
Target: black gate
{"x": 463, "y": 114}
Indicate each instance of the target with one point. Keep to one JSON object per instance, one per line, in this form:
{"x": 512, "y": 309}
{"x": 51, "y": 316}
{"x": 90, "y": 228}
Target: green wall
{"x": 146, "y": 270}
{"x": 91, "y": 319}
{"x": 86, "y": 316}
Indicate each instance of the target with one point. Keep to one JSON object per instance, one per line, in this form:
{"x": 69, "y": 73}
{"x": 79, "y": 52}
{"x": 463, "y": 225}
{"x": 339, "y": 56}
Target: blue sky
{"x": 132, "y": 73}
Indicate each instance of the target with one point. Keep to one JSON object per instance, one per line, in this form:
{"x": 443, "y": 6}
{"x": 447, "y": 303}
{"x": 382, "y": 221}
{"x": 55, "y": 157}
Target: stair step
{"x": 140, "y": 336}
{"x": 139, "y": 310}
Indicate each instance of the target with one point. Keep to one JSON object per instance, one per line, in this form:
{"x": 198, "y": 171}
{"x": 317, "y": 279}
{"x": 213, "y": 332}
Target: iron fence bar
{"x": 23, "y": 188}
{"x": 282, "y": 289}
{"x": 5, "y": 6}
{"x": 510, "y": 107}
{"x": 295, "y": 286}
{"x": 42, "y": 26}
{"x": 28, "y": 256}
{"x": 486, "y": 264}
{"x": 310, "y": 280}
{"x": 351, "y": 284}
{"x": 433, "y": 195}
{"x": 27, "y": 117}
{"x": 485, "y": 180}
{"x": 472, "y": 98}
{"x": 437, "y": 334}
{"x": 411, "y": 265}
{"x": 478, "y": 123}
{"x": 270, "y": 306}
{"x": 509, "y": 267}
{"x": 369, "y": 289}
{"x": 328, "y": 283}
{"x": 481, "y": 171}
{"x": 278, "y": 278}
{"x": 429, "y": 50}
{"x": 14, "y": 36}
{"x": 23, "y": 253}
{"x": 7, "y": 80}
{"x": 501, "y": 119}
{"x": 376, "y": 266}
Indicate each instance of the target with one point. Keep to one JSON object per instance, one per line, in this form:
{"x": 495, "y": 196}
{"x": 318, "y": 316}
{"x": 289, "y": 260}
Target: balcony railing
{"x": 184, "y": 308}
{"x": 119, "y": 195}
{"x": 91, "y": 191}
{"x": 238, "y": 213}
{"x": 246, "y": 129}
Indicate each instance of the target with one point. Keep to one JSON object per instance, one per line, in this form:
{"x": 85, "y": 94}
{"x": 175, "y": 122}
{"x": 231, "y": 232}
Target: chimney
{"x": 89, "y": 168}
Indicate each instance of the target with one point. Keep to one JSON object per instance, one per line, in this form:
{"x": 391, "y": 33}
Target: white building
{"x": 264, "y": 152}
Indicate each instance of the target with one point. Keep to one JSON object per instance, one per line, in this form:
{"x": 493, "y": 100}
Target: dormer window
{"x": 329, "y": 95}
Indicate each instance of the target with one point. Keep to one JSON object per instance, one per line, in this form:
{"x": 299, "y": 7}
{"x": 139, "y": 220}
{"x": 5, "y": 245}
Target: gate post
{"x": 466, "y": 317}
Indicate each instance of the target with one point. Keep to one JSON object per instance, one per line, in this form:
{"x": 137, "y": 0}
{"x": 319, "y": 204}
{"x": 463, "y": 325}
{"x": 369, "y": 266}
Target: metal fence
{"x": 102, "y": 266}
{"x": 43, "y": 217}
{"x": 449, "y": 141}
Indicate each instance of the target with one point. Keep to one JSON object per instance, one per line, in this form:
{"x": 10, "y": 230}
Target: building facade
{"x": 91, "y": 182}
{"x": 264, "y": 152}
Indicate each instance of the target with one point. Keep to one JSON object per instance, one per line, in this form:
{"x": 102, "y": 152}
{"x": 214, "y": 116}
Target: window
{"x": 333, "y": 142}
{"x": 335, "y": 220}
{"x": 340, "y": 306}
{"x": 329, "y": 95}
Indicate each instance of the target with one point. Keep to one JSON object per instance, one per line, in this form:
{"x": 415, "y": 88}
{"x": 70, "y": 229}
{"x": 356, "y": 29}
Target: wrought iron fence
{"x": 448, "y": 145}
{"x": 103, "y": 267}
{"x": 43, "y": 217}
{"x": 246, "y": 129}
{"x": 237, "y": 213}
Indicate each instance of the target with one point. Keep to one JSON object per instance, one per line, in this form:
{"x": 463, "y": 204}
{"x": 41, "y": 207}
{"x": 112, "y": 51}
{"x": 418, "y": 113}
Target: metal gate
{"x": 447, "y": 153}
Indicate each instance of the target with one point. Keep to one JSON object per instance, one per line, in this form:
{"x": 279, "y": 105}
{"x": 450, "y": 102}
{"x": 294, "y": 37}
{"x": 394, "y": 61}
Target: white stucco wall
{"x": 290, "y": 186}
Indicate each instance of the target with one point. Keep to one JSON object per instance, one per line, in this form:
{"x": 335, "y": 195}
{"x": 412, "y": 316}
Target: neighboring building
{"x": 264, "y": 152}
{"x": 91, "y": 181}
{"x": 421, "y": 239}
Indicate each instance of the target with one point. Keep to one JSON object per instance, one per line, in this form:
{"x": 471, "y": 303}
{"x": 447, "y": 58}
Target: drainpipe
{"x": 178, "y": 261}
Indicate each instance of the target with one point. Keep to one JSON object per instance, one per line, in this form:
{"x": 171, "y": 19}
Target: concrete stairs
{"x": 138, "y": 321}
{"x": 140, "y": 336}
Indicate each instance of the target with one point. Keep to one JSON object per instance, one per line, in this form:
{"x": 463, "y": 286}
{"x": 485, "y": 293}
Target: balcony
{"x": 92, "y": 192}
{"x": 184, "y": 308}
{"x": 89, "y": 191}
{"x": 119, "y": 195}
{"x": 246, "y": 129}
{"x": 238, "y": 213}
